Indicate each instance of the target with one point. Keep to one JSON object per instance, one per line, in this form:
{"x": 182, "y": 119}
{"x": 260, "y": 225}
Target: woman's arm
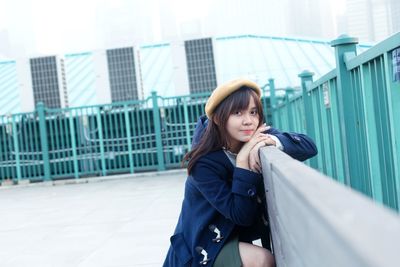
{"x": 296, "y": 145}
{"x": 236, "y": 200}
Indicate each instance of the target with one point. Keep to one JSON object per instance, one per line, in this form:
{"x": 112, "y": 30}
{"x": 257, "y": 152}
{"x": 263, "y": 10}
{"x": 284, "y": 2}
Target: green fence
{"x": 351, "y": 113}
{"x": 126, "y": 137}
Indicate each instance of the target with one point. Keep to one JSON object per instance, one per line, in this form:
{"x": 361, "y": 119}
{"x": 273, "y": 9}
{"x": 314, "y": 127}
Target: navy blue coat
{"x": 220, "y": 200}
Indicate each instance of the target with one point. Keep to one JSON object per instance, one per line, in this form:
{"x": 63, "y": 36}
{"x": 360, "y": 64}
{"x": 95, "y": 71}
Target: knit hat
{"x": 224, "y": 90}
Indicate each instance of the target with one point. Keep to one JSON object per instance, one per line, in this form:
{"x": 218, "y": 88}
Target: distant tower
{"x": 372, "y": 20}
{"x": 395, "y": 9}
{"x": 311, "y": 18}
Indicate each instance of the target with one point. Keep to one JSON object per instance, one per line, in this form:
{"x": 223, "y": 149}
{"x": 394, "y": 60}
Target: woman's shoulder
{"x": 213, "y": 162}
{"x": 213, "y": 155}
{"x": 214, "y": 158}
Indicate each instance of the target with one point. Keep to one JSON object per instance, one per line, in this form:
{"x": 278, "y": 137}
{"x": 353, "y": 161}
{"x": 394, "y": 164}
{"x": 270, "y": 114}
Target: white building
{"x": 171, "y": 69}
{"x": 372, "y": 20}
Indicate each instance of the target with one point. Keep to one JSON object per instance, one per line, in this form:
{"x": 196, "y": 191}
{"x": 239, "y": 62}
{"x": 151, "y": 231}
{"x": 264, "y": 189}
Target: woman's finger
{"x": 261, "y": 129}
{"x": 258, "y": 169}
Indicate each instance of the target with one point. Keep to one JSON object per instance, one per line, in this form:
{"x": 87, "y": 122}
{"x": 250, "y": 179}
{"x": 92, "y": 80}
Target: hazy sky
{"x": 34, "y": 27}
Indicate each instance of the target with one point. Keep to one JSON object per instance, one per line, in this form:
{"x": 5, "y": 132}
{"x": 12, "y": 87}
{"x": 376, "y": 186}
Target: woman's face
{"x": 242, "y": 124}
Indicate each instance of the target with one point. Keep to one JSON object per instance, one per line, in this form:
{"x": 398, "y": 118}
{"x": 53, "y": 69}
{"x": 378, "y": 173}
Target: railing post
{"x": 187, "y": 125}
{"x": 16, "y": 149}
{"x": 40, "y": 108}
{"x": 129, "y": 137}
{"x": 345, "y": 45}
{"x": 272, "y": 102}
{"x": 306, "y": 80}
{"x": 157, "y": 128}
{"x": 101, "y": 142}
{"x": 73, "y": 143}
{"x": 289, "y": 92}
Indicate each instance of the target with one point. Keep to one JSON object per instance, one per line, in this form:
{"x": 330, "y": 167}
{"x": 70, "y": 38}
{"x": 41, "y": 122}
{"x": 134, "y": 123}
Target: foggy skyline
{"x": 44, "y": 27}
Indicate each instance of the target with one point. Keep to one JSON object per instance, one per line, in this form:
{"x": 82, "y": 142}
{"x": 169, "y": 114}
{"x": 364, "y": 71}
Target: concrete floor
{"x": 112, "y": 221}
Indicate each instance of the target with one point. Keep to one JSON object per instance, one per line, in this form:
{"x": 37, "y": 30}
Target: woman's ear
{"x": 215, "y": 120}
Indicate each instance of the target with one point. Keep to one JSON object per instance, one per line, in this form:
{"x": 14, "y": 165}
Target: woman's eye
{"x": 237, "y": 113}
{"x": 254, "y": 112}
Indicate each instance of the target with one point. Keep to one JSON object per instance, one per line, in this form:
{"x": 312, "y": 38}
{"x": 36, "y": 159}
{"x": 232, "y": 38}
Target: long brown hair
{"x": 215, "y": 135}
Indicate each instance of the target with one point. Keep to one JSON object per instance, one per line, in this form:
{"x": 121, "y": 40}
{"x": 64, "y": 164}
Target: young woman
{"x": 221, "y": 208}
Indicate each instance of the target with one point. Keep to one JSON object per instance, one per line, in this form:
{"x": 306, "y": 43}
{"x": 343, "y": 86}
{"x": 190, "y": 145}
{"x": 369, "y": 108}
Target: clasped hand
{"x": 248, "y": 157}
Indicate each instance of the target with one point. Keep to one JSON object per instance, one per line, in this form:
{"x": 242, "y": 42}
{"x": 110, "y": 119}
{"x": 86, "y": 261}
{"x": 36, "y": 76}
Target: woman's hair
{"x": 215, "y": 135}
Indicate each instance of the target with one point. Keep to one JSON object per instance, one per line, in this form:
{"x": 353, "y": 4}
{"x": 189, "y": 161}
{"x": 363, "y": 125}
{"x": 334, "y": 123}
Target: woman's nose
{"x": 247, "y": 119}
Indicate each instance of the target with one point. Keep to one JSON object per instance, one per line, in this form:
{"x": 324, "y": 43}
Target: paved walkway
{"x": 123, "y": 221}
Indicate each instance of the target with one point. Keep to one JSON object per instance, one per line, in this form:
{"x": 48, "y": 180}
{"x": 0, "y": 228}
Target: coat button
{"x": 251, "y": 192}
{"x": 296, "y": 138}
{"x": 214, "y": 229}
{"x": 204, "y": 253}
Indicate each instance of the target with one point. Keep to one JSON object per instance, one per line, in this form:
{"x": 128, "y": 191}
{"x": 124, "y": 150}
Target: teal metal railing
{"x": 351, "y": 112}
{"x": 125, "y": 137}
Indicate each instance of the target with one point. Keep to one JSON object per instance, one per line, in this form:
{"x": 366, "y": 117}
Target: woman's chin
{"x": 246, "y": 139}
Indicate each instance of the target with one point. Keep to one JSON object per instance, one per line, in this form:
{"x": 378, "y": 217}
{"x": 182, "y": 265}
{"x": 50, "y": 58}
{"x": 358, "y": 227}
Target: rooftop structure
{"x": 171, "y": 69}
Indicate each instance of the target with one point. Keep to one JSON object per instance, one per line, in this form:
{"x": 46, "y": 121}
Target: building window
{"x": 45, "y": 81}
{"x": 200, "y": 65}
{"x": 122, "y": 75}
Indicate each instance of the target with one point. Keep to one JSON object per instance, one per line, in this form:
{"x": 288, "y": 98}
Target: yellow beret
{"x": 224, "y": 90}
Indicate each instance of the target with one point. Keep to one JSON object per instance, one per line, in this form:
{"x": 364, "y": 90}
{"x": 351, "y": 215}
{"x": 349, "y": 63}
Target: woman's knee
{"x": 268, "y": 259}
{"x": 265, "y": 258}
{"x": 255, "y": 256}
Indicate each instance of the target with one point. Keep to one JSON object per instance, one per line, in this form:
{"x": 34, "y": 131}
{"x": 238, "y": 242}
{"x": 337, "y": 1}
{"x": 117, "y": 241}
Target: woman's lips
{"x": 248, "y": 132}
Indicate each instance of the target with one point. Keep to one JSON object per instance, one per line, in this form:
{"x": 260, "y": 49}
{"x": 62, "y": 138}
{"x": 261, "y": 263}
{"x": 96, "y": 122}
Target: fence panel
{"x": 124, "y": 137}
{"x": 353, "y": 112}
{"x": 178, "y": 119}
{"x": 20, "y": 150}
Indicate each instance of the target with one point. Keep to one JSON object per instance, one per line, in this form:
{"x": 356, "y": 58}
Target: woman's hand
{"x": 242, "y": 159}
{"x": 254, "y": 157}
